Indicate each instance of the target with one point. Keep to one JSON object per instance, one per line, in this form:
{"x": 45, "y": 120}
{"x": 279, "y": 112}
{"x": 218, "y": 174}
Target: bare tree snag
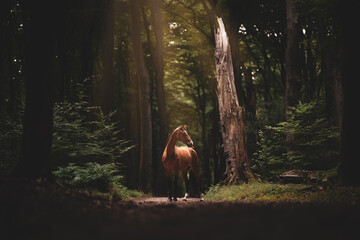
{"x": 231, "y": 114}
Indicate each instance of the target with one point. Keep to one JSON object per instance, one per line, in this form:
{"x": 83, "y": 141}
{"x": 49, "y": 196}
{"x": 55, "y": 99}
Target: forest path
{"x": 163, "y": 200}
{"x": 45, "y": 211}
{"x": 195, "y": 219}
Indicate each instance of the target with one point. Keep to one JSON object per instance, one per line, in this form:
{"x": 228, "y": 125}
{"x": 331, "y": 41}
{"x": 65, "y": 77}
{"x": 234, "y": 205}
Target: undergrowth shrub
{"x": 98, "y": 178}
{"x": 91, "y": 176}
{"x": 87, "y": 148}
{"x": 83, "y": 134}
{"x": 315, "y": 144}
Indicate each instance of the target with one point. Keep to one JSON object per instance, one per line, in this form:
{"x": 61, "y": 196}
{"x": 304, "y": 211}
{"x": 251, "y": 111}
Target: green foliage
{"x": 315, "y": 138}
{"x": 86, "y": 146}
{"x": 314, "y": 145}
{"x": 91, "y": 176}
{"x": 98, "y": 178}
{"x": 83, "y": 134}
{"x": 270, "y": 157}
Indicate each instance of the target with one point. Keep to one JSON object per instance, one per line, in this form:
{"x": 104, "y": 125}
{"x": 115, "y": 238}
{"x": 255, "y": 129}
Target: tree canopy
{"x": 86, "y": 82}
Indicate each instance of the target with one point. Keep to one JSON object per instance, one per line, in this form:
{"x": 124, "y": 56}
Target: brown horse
{"x": 180, "y": 159}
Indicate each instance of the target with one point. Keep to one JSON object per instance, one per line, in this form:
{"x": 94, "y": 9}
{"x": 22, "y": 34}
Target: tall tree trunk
{"x": 339, "y": 92}
{"x": 201, "y": 99}
{"x": 145, "y": 166}
{"x": 349, "y": 64}
{"x": 311, "y": 66}
{"x": 157, "y": 23}
{"x": 38, "y": 118}
{"x": 132, "y": 130}
{"x": 250, "y": 106}
{"x": 231, "y": 114}
{"x": 292, "y": 81}
{"x": 107, "y": 84}
{"x": 158, "y": 60}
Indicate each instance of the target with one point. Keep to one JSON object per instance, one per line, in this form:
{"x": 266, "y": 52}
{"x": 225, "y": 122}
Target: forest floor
{"x": 43, "y": 210}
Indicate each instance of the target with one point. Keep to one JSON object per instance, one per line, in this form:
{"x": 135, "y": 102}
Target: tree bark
{"x": 158, "y": 60}
{"x": 293, "y": 80}
{"x": 145, "y": 166}
{"x": 231, "y": 114}
{"x": 349, "y": 127}
{"x": 157, "y": 23}
{"x": 107, "y": 84}
{"x": 311, "y": 68}
{"x": 89, "y": 21}
{"x": 250, "y": 106}
{"x": 201, "y": 99}
{"x": 38, "y": 119}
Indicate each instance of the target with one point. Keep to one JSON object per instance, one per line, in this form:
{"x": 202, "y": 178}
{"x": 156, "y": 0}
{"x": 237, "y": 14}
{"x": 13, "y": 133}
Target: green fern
{"x": 314, "y": 147}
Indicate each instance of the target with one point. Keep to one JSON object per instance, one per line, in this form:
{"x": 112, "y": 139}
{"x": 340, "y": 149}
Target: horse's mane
{"x": 176, "y": 129}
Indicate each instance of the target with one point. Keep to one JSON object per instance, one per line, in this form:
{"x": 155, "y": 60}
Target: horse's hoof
{"x": 169, "y": 199}
{"x": 202, "y": 199}
{"x": 175, "y": 199}
{"x": 184, "y": 199}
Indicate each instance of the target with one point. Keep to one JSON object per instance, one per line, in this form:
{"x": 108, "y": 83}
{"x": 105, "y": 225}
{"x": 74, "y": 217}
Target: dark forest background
{"x": 90, "y": 89}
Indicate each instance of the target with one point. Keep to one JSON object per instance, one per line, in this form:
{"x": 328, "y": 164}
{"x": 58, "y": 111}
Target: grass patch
{"x": 125, "y": 193}
{"x": 103, "y": 180}
{"x": 284, "y": 192}
{"x": 116, "y": 192}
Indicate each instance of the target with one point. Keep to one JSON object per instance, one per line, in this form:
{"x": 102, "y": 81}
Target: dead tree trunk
{"x": 231, "y": 114}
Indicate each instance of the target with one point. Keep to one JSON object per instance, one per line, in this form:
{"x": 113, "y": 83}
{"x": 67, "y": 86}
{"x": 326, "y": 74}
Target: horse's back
{"x": 187, "y": 155}
{"x": 193, "y": 154}
{"x": 183, "y": 158}
{"x": 194, "y": 158}
{"x": 185, "y": 152}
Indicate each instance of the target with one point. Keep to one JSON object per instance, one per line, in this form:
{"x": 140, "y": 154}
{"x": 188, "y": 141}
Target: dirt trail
{"x": 163, "y": 200}
{"x": 158, "y": 218}
{"x": 43, "y": 212}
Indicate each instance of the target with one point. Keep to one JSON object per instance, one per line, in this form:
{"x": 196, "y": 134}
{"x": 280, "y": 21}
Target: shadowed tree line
{"x": 150, "y": 67}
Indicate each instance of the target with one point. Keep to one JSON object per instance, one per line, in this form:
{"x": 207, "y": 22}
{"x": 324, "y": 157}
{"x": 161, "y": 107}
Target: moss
{"x": 250, "y": 177}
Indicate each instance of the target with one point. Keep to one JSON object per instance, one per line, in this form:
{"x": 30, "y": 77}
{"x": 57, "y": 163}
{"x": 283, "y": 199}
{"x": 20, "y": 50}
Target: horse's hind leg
{"x": 168, "y": 177}
{"x": 175, "y": 186}
{"x": 187, "y": 184}
{"x": 196, "y": 171}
